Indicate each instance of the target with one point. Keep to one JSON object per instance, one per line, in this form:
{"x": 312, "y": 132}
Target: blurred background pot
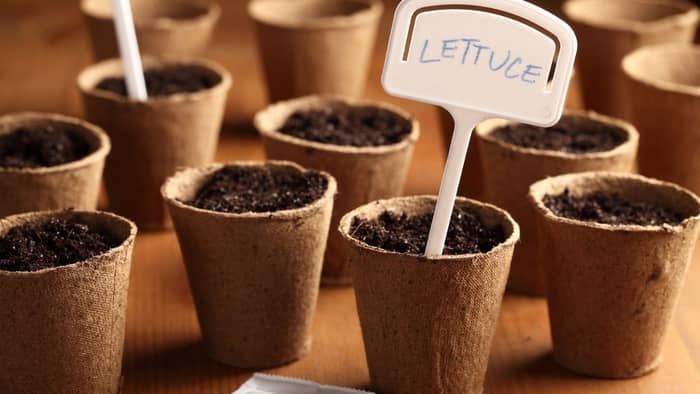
{"x": 663, "y": 96}
{"x": 315, "y": 46}
{"x": 163, "y": 27}
{"x": 609, "y": 30}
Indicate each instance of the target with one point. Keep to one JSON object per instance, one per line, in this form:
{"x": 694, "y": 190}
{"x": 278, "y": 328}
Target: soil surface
{"x": 53, "y": 243}
{"x": 572, "y": 134}
{"x": 240, "y": 189}
{"x": 342, "y": 124}
{"x": 166, "y": 81}
{"x": 42, "y": 145}
{"x": 610, "y": 208}
{"x": 409, "y": 234}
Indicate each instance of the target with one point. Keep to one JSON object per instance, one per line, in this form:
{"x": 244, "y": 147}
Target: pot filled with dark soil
{"x": 253, "y": 235}
{"x": 163, "y": 27}
{"x": 64, "y": 277}
{"x": 177, "y": 126}
{"x": 515, "y": 155}
{"x": 315, "y": 46}
{"x": 618, "y": 249}
{"x": 471, "y": 184}
{"x": 609, "y": 30}
{"x": 663, "y": 97}
{"x": 49, "y": 162}
{"x": 366, "y": 145}
{"x": 428, "y": 323}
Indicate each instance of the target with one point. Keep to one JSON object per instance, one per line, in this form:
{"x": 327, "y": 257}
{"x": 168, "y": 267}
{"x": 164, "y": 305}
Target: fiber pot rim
{"x": 186, "y": 175}
{"x": 686, "y": 14}
{"x": 484, "y": 129}
{"x": 504, "y": 216}
{"x": 540, "y": 188}
{"x": 371, "y": 11}
{"x": 641, "y": 54}
{"x": 99, "y": 153}
{"x": 91, "y": 75}
{"x": 110, "y": 219}
{"x": 269, "y": 114}
{"x": 211, "y": 11}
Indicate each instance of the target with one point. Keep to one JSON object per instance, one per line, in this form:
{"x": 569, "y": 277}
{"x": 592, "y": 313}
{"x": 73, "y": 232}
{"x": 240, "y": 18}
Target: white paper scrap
{"x": 262, "y": 383}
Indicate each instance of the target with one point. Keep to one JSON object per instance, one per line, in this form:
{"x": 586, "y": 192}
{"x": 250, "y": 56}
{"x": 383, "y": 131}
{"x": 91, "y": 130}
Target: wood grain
{"x": 45, "y": 46}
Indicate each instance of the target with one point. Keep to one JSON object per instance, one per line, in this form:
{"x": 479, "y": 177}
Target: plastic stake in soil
{"x": 129, "y": 49}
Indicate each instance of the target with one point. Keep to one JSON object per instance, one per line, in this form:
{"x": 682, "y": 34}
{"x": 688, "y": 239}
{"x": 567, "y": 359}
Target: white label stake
{"x": 129, "y": 50}
{"x": 478, "y": 59}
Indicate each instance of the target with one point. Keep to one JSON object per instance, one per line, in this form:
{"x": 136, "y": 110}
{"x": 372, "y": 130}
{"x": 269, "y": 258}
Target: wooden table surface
{"x": 45, "y": 45}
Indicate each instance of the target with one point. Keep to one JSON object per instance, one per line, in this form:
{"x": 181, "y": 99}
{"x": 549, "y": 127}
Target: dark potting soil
{"x": 42, "y": 145}
{"x": 165, "y": 81}
{"x": 610, "y": 208}
{"x": 572, "y": 134}
{"x": 240, "y": 189}
{"x": 409, "y": 234}
{"x": 342, "y": 124}
{"x": 52, "y": 243}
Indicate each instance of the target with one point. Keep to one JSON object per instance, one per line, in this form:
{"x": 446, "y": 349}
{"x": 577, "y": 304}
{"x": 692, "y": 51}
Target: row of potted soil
{"x": 290, "y": 242}
{"x": 253, "y": 236}
{"x": 654, "y": 83}
{"x": 306, "y": 47}
{"x": 179, "y": 126}
{"x": 292, "y": 34}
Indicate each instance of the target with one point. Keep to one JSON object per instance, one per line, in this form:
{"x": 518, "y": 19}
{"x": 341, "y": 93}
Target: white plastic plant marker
{"x": 478, "y": 59}
{"x": 129, "y": 50}
{"x": 262, "y": 383}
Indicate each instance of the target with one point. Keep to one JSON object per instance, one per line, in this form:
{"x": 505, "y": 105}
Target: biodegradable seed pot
{"x": 49, "y": 162}
{"x": 254, "y": 266}
{"x": 471, "y": 184}
{"x": 151, "y": 139}
{"x": 364, "y": 173}
{"x": 315, "y": 46}
{"x": 622, "y": 281}
{"x": 609, "y": 30}
{"x": 163, "y": 27}
{"x": 427, "y": 323}
{"x": 62, "y": 324}
{"x": 663, "y": 97}
{"x": 581, "y": 141}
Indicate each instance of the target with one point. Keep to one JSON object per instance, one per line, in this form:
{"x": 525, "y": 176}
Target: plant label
{"x": 478, "y": 59}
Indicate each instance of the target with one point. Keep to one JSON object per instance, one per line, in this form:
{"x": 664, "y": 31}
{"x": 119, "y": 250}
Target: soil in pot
{"x": 42, "y": 145}
{"x": 165, "y": 81}
{"x": 409, "y": 234}
{"x": 240, "y": 189}
{"x": 53, "y": 243}
{"x": 610, "y": 208}
{"x": 571, "y": 134}
{"x": 348, "y": 125}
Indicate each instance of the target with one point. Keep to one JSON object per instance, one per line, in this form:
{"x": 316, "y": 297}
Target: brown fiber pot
{"x": 70, "y": 185}
{"x": 609, "y": 30}
{"x": 612, "y": 290}
{"x": 363, "y": 173}
{"x": 512, "y": 169}
{"x": 427, "y": 323}
{"x": 254, "y": 276}
{"x": 315, "y": 46}
{"x": 151, "y": 139}
{"x": 163, "y": 27}
{"x": 663, "y": 85}
{"x": 471, "y": 185}
{"x": 62, "y": 329}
